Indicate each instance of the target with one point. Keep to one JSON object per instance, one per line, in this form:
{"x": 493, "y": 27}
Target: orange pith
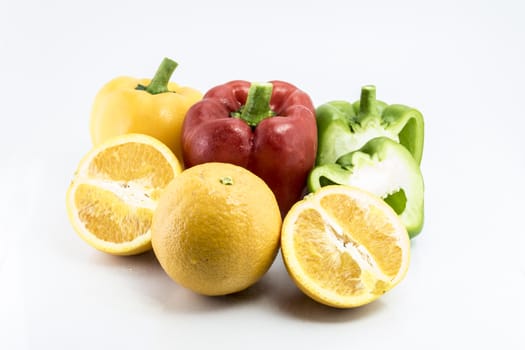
{"x": 344, "y": 247}
{"x": 115, "y": 190}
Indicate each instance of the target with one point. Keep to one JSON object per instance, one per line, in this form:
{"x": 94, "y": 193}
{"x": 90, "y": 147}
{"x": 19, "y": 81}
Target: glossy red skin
{"x": 280, "y": 149}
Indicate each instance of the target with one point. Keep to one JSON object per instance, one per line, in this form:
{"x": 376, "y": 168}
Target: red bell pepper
{"x": 267, "y": 128}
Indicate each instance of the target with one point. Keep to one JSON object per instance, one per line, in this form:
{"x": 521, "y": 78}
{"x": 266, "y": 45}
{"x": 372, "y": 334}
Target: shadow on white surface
{"x": 291, "y": 302}
{"x": 151, "y": 282}
{"x": 297, "y": 305}
{"x": 275, "y": 293}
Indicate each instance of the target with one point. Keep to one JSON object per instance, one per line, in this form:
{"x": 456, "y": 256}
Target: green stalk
{"x": 368, "y": 104}
{"x": 257, "y": 106}
{"x": 159, "y": 83}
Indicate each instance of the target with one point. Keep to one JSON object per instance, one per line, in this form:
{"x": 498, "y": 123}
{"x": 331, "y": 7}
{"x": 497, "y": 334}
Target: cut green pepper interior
{"x": 384, "y": 168}
{"x": 397, "y": 200}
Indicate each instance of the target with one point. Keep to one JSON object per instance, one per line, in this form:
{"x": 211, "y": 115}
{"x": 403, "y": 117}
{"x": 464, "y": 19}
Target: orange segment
{"x": 365, "y": 227}
{"x": 318, "y": 255}
{"x": 115, "y": 190}
{"x": 344, "y": 247}
{"x": 107, "y": 216}
{"x": 131, "y": 162}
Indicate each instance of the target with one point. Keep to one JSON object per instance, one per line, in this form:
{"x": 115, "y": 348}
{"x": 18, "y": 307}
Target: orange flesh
{"x": 108, "y": 217}
{"x": 366, "y": 229}
{"x": 132, "y": 161}
{"x": 323, "y": 251}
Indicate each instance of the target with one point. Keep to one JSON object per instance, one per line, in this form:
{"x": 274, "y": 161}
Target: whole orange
{"x": 216, "y": 229}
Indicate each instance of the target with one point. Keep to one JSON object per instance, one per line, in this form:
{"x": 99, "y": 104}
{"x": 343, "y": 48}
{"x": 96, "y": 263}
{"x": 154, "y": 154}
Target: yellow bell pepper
{"x": 155, "y": 107}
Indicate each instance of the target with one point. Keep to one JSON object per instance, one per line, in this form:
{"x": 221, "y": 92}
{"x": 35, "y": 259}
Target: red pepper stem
{"x": 257, "y": 106}
{"x": 159, "y": 83}
{"x": 368, "y": 102}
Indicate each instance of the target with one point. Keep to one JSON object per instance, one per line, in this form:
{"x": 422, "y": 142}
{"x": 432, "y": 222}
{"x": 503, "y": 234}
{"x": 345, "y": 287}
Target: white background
{"x": 459, "y": 62}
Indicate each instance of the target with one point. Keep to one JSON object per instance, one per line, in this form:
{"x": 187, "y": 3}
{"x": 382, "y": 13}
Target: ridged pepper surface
{"x": 267, "y": 128}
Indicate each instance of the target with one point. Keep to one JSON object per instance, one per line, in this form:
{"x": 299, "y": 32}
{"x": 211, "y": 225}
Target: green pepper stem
{"x": 257, "y": 106}
{"x": 159, "y": 83}
{"x": 368, "y": 102}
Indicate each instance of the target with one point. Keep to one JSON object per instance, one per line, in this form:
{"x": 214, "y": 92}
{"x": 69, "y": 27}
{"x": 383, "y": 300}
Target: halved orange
{"x": 344, "y": 247}
{"x": 115, "y": 190}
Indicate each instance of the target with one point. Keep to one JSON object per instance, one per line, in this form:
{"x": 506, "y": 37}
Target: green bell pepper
{"x": 344, "y": 127}
{"x": 384, "y": 168}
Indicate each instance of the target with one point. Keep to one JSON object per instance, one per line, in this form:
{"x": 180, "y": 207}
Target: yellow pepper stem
{"x": 159, "y": 83}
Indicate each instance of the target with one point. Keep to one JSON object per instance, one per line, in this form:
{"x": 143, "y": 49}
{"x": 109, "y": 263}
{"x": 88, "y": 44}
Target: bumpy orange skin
{"x": 216, "y": 229}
